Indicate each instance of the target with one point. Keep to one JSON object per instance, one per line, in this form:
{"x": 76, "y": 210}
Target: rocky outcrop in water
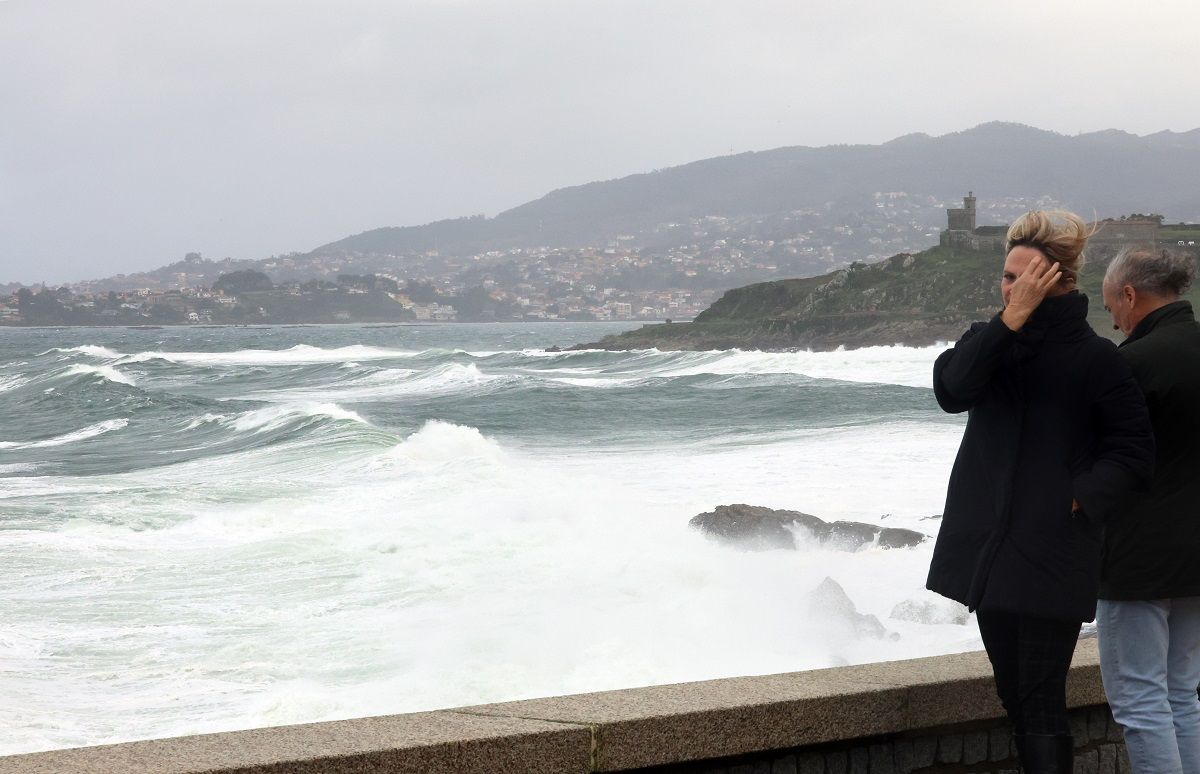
{"x": 755, "y": 528}
{"x": 929, "y": 608}
{"x": 830, "y": 601}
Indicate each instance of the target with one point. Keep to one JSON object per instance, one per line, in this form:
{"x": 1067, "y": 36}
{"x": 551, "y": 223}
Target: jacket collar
{"x": 1058, "y": 317}
{"x": 1170, "y": 314}
{"x": 1061, "y": 318}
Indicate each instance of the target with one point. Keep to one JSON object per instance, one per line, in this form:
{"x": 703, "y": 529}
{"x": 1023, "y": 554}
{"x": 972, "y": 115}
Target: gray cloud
{"x": 135, "y": 131}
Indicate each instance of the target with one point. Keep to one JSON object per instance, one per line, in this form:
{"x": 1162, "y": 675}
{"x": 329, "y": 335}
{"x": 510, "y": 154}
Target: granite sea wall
{"x": 936, "y": 715}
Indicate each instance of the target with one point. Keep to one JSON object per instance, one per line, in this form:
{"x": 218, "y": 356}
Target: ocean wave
{"x": 301, "y": 354}
{"x": 11, "y": 382}
{"x": 105, "y": 372}
{"x": 91, "y": 431}
{"x": 439, "y": 443}
{"x": 203, "y": 420}
{"x": 91, "y": 350}
{"x": 898, "y": 365}
{"x": 451, "y": 377}
{"x": 275, "y": 417}
{"x": 395, "y": 382}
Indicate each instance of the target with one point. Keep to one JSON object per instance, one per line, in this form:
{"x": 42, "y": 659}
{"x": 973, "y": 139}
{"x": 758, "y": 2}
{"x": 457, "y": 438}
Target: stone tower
{"x": 962, "y": 219}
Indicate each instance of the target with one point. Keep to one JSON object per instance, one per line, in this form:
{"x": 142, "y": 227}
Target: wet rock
{"x": 754, "y": 527}
{"x": 930, "y": 609}
{"x": 830, "y": 599}
{"x": 757, "y": 528}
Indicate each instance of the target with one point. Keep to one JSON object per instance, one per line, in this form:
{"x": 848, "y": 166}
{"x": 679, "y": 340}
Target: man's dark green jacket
{"x": 1152, "y": 550}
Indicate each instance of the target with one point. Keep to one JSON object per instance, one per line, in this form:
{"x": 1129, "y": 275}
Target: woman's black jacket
{"x": 1055, "y": 415}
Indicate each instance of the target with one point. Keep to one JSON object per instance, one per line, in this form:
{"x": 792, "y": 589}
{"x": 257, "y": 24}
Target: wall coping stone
{"x": 607, "y": 731}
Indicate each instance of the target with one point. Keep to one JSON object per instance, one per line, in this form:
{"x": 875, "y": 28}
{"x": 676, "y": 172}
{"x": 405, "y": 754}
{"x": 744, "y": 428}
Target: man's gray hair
{"x": 1152, "y": 270}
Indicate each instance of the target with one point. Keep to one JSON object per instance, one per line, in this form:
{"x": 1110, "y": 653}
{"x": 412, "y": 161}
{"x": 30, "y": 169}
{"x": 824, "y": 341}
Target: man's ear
{"x": 1129, "y": 294}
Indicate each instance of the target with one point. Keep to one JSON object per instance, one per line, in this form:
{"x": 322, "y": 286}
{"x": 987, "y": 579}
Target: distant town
{"x": 673, "y": 271}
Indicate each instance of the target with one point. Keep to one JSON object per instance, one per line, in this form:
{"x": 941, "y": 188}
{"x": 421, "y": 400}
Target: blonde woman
{"x": 1057, "y": 436}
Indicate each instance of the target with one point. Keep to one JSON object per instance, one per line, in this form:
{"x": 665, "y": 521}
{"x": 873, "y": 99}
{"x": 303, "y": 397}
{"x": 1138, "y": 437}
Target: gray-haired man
{"x": 1149, "y": 611}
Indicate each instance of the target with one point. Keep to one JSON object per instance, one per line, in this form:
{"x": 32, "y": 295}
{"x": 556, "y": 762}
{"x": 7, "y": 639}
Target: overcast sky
{"x": 132, "y": 132}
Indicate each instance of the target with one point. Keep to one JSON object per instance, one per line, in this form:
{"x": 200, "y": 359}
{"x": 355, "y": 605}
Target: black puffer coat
{"x": 1054, "y": 415}
{"x": 1152, "y": 549}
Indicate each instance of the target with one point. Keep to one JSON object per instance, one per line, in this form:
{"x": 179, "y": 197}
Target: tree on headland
{"x": 41, "y": 308}
{"x": 421, "y": 292}
{"x": 245, "y": 281}
{"x": 166, "y": 314}
{"x": 368, "y": 282}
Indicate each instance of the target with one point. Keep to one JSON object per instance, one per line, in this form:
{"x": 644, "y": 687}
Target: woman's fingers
{"x": 1053, "y": 274}
{"x": 1041, "y": 274}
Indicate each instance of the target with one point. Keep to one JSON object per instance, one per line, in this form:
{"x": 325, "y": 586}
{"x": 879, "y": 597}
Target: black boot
{"x": 1046, "y": 753}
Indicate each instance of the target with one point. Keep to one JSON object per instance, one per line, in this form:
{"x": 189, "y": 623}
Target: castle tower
{"x": 962, "y": 219}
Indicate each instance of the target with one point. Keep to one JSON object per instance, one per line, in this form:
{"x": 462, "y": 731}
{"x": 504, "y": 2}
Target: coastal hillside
{"x": 913, "y": 299}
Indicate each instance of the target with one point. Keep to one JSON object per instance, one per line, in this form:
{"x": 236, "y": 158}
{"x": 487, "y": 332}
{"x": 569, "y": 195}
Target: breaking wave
{"x": 100, "y": 428}
{"x": 105, "y": 372}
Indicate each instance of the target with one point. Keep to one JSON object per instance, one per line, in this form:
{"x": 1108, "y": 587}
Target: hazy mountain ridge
{"x": 1109, "y": 172}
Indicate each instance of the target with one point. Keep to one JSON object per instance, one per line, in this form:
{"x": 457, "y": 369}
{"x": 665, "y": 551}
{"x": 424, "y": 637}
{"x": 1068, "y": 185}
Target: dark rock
{"x": 750, "y": 526}
{"x": 897, "y": 537}
{"x": 756, "y": 528}
{"x": 849, "y": 535}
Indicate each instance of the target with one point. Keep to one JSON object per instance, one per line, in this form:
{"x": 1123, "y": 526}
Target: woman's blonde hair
{"x": 1057, "y": 234}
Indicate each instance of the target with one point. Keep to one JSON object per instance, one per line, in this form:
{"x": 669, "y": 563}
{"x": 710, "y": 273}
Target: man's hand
{"x": 1028, "y": 292}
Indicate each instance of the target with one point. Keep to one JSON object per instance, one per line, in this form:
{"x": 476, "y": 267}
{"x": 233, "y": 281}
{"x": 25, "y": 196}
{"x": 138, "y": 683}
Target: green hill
{"x": 914, "y": 299}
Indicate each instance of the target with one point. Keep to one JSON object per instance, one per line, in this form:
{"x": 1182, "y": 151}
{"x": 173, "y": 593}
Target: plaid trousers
{"x": 1030, "y": 659}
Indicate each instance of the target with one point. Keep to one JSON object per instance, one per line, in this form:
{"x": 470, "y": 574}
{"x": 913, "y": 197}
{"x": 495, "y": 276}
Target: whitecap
{"x": 91, "y": 431}
{"x": 91, "y": 350}
{"x": 106, "y": 372}
{"x": 274, "y": 417}
{"x": 392, "y": 382}
{"x": 11, "y": 382}
{"x": 898, "y": 365}
{"x": 202, "y": 420}
{"x": 439, "y": 441}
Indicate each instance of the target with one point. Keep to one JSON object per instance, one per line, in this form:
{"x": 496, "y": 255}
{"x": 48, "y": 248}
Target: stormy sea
{"x": 206, "y": 529}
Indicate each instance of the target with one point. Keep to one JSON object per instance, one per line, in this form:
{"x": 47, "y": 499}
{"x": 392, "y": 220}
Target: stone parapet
{"x": 881, "y": 715}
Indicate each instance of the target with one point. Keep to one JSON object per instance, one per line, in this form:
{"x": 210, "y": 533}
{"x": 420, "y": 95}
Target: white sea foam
{"x": 100, "y": 428}
{"x": 904, "y": 366}
{"x": 106, "y": 372}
